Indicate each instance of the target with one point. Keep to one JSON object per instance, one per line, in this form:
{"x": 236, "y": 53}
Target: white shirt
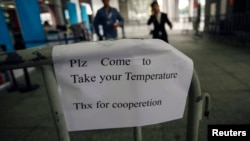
{"x": 159, "y": 17}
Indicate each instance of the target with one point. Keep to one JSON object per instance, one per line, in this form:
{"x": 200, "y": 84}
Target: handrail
{"x": 26, "y": 58}
{"x": 195, "y": 108}
{"x": 42, "y": 56}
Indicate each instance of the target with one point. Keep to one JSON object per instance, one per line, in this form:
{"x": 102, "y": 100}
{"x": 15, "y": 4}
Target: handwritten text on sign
{"x": 122, "y": 83}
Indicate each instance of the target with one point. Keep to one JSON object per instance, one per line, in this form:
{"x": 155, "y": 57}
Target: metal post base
{"x": 29, "y": 87}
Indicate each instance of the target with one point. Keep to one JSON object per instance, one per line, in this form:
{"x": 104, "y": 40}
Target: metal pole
{"x": 206, "y": 97}
{"x": 26, "y": 58}
{"x": 137, "y": 134}
{"x": 55, "y": 103}
{"x": 123, "y": 32}
{"x": 28, "y": 87}
{"x": 15, "y": 85}
{"x": 42, "y": 56}
{"x": 65, "y": 38}
{"x": 194, "y": 109}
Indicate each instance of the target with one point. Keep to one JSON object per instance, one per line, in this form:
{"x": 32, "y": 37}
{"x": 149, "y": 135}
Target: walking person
{"x": 110, "y": 19}
{"x": 159, "y": 19}
{"x": 197, "y": 19}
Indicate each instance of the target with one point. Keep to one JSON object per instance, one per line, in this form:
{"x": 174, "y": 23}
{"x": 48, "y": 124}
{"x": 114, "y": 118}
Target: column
{"x": 59, "y": 12}
{"x": 5, "y": 38}
{"x": 28, "y": 12}
{"x": 165, "y": 6}
{"x": 72, "y": 13}
{"x": 191, "y": 8}
{"x": 123, "y": 5}
{"x": 78, "y": 11}
{"x": 171, "y": 9}
{"x": 85, "y": 16}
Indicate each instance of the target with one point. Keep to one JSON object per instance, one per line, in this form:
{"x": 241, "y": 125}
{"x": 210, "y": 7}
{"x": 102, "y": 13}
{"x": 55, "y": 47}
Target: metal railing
{"x": 229, "y": 27}
{"x": 42, "y": 57}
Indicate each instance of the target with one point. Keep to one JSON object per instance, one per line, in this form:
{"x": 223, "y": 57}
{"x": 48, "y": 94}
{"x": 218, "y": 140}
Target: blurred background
{"x": 215, "y": 34}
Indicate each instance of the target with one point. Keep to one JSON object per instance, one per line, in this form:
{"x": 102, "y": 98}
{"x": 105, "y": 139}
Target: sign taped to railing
{"x": 121, "y": 83}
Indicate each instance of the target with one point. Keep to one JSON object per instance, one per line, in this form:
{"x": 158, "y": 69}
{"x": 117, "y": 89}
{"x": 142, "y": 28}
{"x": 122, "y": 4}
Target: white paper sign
{"x": 122, "y": 83}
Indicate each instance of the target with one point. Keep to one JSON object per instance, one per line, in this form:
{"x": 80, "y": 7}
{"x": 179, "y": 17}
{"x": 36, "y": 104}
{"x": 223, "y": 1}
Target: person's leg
{"x": 166, "y": 38}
